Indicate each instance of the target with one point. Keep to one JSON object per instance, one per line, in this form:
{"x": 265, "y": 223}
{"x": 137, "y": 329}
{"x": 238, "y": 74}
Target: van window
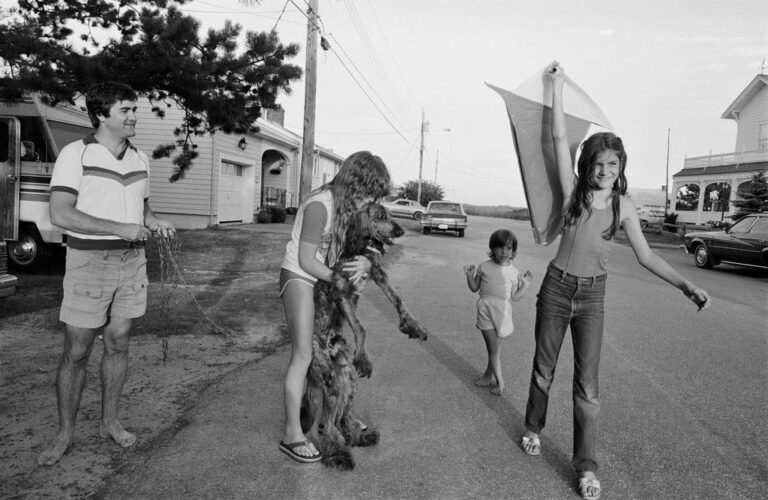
{"x": 32, "y": 131}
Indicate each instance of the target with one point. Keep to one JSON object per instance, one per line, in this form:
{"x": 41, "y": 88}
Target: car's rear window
{"x": 445, "y": 207}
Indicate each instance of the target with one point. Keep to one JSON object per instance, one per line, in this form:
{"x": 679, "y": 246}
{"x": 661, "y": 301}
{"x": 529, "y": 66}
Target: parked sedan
{"x": 444, "y": 216}
{"x": 405, "y": 208}
{"x": 745, "y": 243}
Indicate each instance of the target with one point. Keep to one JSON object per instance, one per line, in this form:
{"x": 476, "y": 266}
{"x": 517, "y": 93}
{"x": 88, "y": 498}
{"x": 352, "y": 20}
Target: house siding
{"x": 754, "y": 114}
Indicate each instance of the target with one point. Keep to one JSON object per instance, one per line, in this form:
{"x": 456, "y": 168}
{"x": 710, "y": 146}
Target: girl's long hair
{"x": 362, "y": 175}
{"x": 581, "y": 200}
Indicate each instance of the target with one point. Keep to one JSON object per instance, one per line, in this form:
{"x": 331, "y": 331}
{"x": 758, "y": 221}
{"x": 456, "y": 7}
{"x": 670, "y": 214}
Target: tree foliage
{"x": 59, "y": 49}
{"x": 753, "y": 200}
{"x": 429, "y": 191}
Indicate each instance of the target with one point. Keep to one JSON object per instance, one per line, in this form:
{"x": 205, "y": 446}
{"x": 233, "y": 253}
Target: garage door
{"x": 231, "y": 192}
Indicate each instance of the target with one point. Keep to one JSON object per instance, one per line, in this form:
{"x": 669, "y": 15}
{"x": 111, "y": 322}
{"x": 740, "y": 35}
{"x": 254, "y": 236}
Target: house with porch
{"x": 234, "y": 176}
{"x": 706, "y": 185}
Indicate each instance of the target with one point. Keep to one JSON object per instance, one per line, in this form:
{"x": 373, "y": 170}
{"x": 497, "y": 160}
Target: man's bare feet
{"x": 485, "y": 381}
{"x": 53, "y": 453}
{"x": 496, "y": 390}
{"x": 116, "y": 432}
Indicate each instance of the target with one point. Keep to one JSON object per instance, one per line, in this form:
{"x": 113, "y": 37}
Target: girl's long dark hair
{"x": 581, "y": 200}
{"x": 362, "y": 175}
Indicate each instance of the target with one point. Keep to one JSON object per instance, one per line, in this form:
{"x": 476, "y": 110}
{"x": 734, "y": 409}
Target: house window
{"x": 231, "y": 169}
{"x": 762, "y": 139}
{"x": 315, "y": 166}
{"x": 717, "y": 197}
{"x": 687, "y": 198}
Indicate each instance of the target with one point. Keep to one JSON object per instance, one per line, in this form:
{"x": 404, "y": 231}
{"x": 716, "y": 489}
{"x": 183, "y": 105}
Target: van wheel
{"x": 29, "y": 251}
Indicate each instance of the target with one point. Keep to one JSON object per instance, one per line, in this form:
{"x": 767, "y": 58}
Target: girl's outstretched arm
{"x": 556, "y": 76}
{"x": 473, "y": 280}
{"x": 651, "y": 261}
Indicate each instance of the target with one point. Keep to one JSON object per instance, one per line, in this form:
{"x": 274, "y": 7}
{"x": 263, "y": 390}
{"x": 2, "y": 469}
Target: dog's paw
{"x": 413, "y": 329}
{"x": 339, "y": 458}
{"x": 363, "y": 365}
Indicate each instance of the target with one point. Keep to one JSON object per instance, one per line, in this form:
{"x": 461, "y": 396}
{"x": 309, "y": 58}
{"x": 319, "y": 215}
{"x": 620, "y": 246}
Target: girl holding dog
{"x": 316, "y": 241}
{"x": 573, "y": 290}
{"x": 499, "y": 283}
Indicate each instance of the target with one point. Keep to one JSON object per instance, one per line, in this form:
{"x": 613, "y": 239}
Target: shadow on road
{"x": 512, "y": 418}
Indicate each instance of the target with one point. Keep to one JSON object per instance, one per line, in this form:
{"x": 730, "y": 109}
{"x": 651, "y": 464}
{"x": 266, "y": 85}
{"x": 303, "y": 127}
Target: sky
{"x": 657, "y": 69}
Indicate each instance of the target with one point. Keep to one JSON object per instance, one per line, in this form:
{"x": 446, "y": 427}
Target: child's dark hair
{"x": 102, "y": 96}
{"x": 582, "y": 195}
{"x": 502, "y": 238}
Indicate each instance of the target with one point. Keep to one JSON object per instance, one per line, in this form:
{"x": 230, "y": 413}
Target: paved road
{"x": 683, "y": 396}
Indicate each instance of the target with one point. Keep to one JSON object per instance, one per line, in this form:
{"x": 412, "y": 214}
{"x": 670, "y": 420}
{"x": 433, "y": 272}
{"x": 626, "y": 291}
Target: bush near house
{"x": 278, "y": 214}
{"x": 264, "y": 217}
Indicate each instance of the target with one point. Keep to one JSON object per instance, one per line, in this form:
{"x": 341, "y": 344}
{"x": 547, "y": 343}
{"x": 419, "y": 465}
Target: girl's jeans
{"x": 565, "y": 300}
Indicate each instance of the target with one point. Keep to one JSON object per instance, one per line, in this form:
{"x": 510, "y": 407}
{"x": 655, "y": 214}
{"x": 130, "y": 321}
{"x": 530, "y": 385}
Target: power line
{"x": 369, "y": 97}
{"x": 367, "y": 82}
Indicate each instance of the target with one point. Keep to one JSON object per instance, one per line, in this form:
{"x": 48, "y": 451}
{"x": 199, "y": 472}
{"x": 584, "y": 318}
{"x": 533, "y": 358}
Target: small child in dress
{"x": 499, "y": 283}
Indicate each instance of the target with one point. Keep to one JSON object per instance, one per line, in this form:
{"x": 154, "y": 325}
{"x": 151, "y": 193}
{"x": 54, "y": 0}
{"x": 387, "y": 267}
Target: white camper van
{"x": 31, "y": 136}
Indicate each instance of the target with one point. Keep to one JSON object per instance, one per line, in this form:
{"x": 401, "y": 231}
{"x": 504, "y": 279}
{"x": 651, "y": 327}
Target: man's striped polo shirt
{"x": 106, "y": 187}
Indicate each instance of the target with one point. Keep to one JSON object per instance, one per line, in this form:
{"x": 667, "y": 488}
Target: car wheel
{"x": 426, "y": 230}
{"x": 29, "y": 251}
{"x": 702, "y": 257}
{"x": 643, "y": 223}
{"x": 418, "y": 215}
{"x": 461, "y": 233}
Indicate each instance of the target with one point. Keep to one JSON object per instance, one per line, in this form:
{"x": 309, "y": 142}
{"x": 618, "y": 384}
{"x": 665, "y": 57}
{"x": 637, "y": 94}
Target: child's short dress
{"x": 494, "y": 307}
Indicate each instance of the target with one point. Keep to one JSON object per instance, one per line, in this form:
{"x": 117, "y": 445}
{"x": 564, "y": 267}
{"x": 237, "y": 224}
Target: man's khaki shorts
{"x": 101, "y": 283}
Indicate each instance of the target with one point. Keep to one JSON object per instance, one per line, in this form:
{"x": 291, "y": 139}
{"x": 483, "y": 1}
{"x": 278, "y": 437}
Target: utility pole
{"x": 310, "y": 91}
{"x": 421, "y": 157}
{"x": 666, "y": 180}
{"x": 437, "y": 157}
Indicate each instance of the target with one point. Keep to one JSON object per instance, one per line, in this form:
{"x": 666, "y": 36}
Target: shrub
{"x": 278, "y": 214}
{"x": 291, "y": 210}
{"x": 263, "y": 217}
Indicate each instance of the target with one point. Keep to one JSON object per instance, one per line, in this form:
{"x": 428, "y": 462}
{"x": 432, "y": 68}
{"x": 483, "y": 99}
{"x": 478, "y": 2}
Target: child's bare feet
{"x": 117, "y": 433}
{"x": 53, "y": 453}
{"x": 485, "y": 381}
{"x": 497, "y": 389}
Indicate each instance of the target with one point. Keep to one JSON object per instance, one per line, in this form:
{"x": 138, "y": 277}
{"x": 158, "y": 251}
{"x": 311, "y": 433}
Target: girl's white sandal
{"x": 586, "y": 483}
{"x": 531, "y": 445}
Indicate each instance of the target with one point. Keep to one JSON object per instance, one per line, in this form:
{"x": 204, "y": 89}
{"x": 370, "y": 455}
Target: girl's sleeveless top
{"x": 583, "y": 251}
{"x": 291, "y": 259}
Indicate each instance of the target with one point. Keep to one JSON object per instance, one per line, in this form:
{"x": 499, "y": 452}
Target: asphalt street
{"x": 684, "y": 400}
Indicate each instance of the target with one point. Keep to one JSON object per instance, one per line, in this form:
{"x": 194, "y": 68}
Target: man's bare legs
{"x": 114, "y": 367}
{"x": 70, "y": 380}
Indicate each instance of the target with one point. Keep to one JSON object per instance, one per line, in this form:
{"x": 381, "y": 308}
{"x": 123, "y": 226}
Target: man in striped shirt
{"x": 100, "y": 196}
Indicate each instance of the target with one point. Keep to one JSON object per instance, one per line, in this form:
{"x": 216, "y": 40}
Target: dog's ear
{"x": 358, "y": 231}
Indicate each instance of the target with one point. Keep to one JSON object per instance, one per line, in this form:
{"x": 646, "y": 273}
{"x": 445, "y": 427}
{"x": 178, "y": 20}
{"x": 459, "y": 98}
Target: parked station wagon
{"x": 444, "y": 216}
{"x": 745, "y": 243}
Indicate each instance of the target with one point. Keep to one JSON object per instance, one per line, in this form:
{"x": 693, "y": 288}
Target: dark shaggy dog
{"x": 332, "y": 376}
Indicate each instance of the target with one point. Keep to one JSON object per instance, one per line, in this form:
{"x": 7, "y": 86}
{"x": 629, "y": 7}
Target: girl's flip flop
{"x": 289, "y": 448}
